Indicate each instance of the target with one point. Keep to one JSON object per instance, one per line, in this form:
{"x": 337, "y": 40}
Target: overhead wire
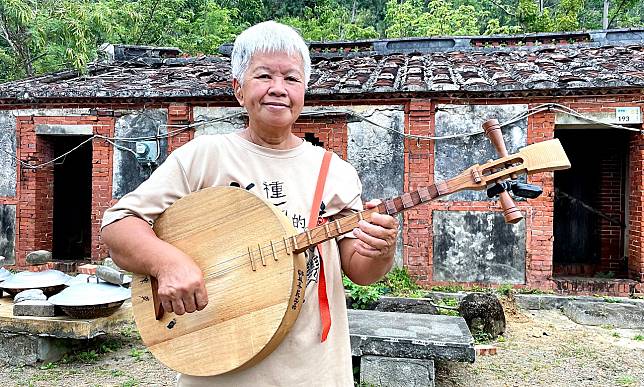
{"x": 181, "y": 128}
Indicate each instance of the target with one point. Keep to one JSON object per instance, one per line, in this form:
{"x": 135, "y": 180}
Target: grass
{"x": 639, "y": 337}
{"x": 626, "y": 380}
{"x": 130, "y": 332}
{"x": 130, "y": 383}
{"x": 48, "y": 366}
{"x": 447, "y": 301}
{"x": 481, "y": 337}
{"x": 137, "y": 353}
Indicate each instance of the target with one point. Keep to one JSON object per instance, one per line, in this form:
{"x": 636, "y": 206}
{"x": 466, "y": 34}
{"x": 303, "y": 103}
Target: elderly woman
{"x": 271, "y": 68}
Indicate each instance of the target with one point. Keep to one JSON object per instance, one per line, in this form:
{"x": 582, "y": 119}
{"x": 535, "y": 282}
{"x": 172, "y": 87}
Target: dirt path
{"x": 542, "y": 348}
{"x": 545, "y": 348}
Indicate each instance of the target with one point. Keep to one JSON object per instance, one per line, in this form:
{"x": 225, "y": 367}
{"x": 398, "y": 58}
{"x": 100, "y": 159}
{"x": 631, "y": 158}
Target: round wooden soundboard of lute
{"x": 251, "y": 305}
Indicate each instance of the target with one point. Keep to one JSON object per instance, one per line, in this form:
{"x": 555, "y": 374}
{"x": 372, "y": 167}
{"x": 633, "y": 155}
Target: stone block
{"x": 396, "y": 372}
{"x": 417, "y": 336}
{"x": 618, "y": 315}
{"x": 36, "y": 308}
{"x": 110, "y": 275}
{"x": 23, "y": 349}
{"x": 38, "y": 257}
{"x": 29, "y": 294}
{"x": 110, "y": 263}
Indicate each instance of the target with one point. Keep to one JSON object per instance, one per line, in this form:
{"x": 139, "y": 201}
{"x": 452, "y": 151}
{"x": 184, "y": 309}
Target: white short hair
{"x": 269, "y": 37}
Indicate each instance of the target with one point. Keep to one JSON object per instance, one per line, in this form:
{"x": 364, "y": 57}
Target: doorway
{"x": 72, "y": 198}
{"x": 590, "y": 204}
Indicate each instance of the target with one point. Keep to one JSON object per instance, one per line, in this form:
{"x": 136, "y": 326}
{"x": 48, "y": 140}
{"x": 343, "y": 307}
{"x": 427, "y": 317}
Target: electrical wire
{"x": 181, "y": 128}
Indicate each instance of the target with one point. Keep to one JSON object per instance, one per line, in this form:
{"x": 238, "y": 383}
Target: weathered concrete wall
{"x": 8, "y": 233}
{"x": 457, "y": 154}
{"x": 7, "y": 154}
{"x": 128, "y": 173}
{"x": 221, "y": 120}
{"x": 378, "y": 155}
{"x": 478, "y": 247}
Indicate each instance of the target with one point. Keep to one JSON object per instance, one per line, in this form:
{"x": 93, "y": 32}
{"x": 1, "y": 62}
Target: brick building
{"x": 406, "y": 113}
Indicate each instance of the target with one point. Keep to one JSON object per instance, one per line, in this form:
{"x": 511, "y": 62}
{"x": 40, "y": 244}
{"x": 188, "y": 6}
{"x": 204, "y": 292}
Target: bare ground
{"x": 545, "y": 348}
{"x": 541, "y": 348}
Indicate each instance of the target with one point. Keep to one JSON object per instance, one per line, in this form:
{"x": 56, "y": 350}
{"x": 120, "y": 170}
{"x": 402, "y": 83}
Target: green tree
{"x": 331, "y": 21}
{"x": 413, "y": 18}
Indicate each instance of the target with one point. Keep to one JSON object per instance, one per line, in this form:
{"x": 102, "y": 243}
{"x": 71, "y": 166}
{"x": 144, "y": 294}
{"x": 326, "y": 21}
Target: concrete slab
{"x": 403, "y": 335}
{"x": 61, "y": 327}
{"x": 396, "y": 372}
{"x": 551, "y": 301}
{"x": 595, "y": 313}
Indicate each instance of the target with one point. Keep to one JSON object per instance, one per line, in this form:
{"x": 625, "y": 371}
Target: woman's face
{"x": 273, "y": 91}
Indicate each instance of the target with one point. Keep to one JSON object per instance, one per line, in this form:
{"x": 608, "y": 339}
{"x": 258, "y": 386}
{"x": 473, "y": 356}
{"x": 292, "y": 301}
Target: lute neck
{"x": 301, "y": 242}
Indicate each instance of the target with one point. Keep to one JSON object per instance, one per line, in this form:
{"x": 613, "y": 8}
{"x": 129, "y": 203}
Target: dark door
{"x": 72, "y": 199}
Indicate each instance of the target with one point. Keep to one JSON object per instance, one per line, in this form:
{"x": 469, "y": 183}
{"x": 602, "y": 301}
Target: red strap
{"x": 325, "y": 314}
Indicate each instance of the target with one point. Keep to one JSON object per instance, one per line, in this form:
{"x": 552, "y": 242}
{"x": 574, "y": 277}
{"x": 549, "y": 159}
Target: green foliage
{"x": 362, "y": 296}
{"x": 130, "y": 331}
{"x": 40, "y": 36}
{"x": 435, "y": 17}
{"x": 639, "y": 338}
{"x": 448, "y": 301}
{"x": 48, "y": 366}
{"x": 397, "y": 283}
{"x": 130, "y": 383}
{"x": 328, "y": 22}
{"x": 627, "y": 380}
{"x": 137, "y": 353}
{"x": 448, "y": 288}
{"x": 505, "y": 290}
{"x": 481, "y": 337}
{"x": 532, "y": 291}
{"x": 90, "y": 356}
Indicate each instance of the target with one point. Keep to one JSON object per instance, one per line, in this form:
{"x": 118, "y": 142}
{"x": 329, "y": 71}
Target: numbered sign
{"x": 628, "y": 115}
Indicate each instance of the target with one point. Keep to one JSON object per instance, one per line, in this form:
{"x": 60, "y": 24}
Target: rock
{"x": 483, "y": 312}
{"x": 110, "y": 263}
{"x": 405, "y": 305}
{"x": 39, "y": 257}
{"x": 30, "y": 294}
{"x": 37, "y": 308}
{"x": 110, "y": 275}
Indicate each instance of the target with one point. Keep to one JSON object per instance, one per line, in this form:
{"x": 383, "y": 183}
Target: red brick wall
{"x": 179, "y": 115}
{"x": 611, "y": 199}
{"x": 540, "y": 211}
{"x": 636, "y": 205}
{"x": 102, "y": 153}
{"x": 419, "y": 172}
{"x": 34, "y": 211}
{"x": 331, "y": 131}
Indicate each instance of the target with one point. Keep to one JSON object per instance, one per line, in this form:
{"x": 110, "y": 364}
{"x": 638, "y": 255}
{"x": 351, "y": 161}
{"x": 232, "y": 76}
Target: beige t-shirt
{"x": 286, "y": 178}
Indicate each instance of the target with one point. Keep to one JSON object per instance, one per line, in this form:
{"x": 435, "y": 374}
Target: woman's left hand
{"x": 377, "y": 238}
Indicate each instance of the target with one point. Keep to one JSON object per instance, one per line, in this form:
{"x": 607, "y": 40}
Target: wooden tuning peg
{"x": 511, "y": 212}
